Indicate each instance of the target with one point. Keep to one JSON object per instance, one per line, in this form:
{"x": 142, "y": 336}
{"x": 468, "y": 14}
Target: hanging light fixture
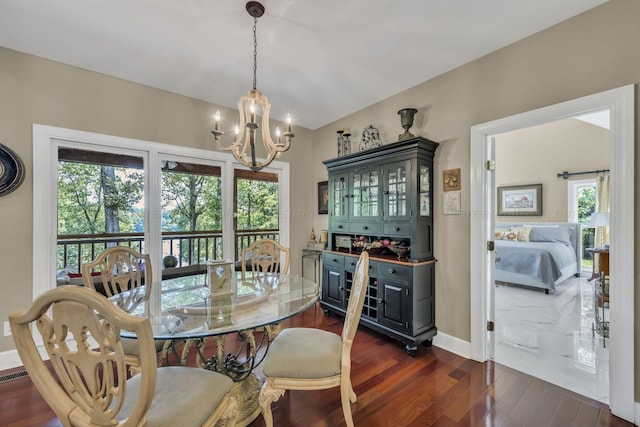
{"x": 254, "y": 104}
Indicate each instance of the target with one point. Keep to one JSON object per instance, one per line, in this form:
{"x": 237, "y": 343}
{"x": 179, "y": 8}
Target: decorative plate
{"x": 11, "y": 170}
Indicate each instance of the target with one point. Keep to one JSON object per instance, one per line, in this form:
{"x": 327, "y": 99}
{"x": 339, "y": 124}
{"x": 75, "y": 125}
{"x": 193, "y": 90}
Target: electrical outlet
{"x": 7, "y": 329}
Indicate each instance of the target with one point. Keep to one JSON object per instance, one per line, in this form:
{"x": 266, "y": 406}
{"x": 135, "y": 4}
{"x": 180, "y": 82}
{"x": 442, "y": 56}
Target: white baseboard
{"x": 9, "y": 359}
{"x": 453, "y": 344}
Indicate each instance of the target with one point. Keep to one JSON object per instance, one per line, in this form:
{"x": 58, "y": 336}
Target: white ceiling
{"x": 600, "y": 118}
{"x": 318, "y": 60}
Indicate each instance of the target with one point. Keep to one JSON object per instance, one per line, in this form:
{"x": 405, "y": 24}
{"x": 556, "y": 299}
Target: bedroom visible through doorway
{"x": 548, "y": 332}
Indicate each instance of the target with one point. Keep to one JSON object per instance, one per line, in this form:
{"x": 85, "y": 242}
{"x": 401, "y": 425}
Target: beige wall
{"x": 536, "y": 155}
{"x": 591, "y": 53}
{"x": 36, "y": 90}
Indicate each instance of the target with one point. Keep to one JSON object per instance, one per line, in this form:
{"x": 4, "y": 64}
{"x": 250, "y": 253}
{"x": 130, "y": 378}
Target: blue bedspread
{"x": 542, "y": 260}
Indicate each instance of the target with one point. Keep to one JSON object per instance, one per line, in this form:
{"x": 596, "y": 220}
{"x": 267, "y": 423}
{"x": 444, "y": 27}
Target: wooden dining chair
{"x": 265, "y": 256}
{"x": 118, "y": 269}
{"x": 87, "y": 384}
{"x": 314, "y": 359}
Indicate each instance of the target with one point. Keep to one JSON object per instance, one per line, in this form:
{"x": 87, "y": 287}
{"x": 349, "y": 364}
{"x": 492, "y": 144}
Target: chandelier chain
{"x": 255, "y": 52}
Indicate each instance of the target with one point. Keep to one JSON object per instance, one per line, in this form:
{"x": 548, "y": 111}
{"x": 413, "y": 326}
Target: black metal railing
{"x": 189, "y": 247}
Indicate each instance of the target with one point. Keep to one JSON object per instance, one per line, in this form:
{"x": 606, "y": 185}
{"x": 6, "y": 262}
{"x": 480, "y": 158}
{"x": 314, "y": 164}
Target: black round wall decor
{"x": 11, "y": 170}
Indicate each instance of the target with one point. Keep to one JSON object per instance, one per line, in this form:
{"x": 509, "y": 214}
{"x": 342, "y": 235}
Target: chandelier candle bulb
{"x": 217, "y": 121}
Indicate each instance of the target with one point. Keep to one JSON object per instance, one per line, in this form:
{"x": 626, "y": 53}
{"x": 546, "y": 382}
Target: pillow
{"x": 550, "y": 234}
{"x": 76, "y": 275}
{"x": 510, "y": 235}
{"x": 523, "y": 232}
{"x": 499, "y": 234}
{"x": 506, "y": 234}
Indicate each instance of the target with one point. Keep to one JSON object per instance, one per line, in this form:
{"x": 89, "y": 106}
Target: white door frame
{"x": 620, "y": 103}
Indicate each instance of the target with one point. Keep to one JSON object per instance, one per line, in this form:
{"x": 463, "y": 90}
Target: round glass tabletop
{"x": 185, "y": 307}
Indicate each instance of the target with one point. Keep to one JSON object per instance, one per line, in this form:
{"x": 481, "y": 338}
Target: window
{"x": 98, "y": 200}
{"x": 177, "y": 208}
{"x": 191, "y": 214}
{"x": 582, "y": 203}
{"x": 256, "y": 208}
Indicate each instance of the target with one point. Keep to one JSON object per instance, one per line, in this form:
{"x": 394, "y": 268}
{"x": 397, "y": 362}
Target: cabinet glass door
{"x": 365, "y": 195}
{"x": 425, "y": 189}
{"x": 396, "y": 190}
{"x": 337, "y": 196}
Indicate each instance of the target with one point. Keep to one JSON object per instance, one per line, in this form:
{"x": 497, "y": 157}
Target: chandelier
{"x": 251, "y": 106}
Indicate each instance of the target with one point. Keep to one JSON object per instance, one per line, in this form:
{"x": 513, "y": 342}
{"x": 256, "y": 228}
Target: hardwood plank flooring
{"x": 436, "y": 388}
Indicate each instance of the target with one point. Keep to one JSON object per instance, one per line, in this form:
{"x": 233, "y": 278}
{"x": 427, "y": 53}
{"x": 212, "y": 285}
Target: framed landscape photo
{"x": 522, "y": 200}
{"x": 323, "y": 197}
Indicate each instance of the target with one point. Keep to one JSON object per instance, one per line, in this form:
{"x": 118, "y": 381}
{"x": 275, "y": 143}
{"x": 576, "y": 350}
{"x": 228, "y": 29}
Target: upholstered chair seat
{"x": 207, "y": 390}
{"x": 304, "y": 353}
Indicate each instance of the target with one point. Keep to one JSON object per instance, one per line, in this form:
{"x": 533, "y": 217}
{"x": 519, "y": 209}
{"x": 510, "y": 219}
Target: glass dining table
{"x": 186, "y": 311}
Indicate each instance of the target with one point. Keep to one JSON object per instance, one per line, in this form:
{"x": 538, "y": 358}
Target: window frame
{"x": 47, "y": 140}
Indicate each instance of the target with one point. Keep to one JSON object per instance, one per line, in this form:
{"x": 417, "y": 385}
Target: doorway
{"x": 549, "y": 334}
{"x": 620, "y": 102}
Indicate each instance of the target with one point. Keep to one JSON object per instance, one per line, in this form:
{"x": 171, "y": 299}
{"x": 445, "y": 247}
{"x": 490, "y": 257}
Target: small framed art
{"x": 522, "y": 200}
{"x": 323, "y": 197}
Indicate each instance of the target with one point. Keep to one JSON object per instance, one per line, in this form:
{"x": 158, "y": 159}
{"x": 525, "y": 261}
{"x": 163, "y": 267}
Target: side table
{"x": 312, "y": 256}
{"x": 601, "y": 292}
{"x": 602, "y": 261}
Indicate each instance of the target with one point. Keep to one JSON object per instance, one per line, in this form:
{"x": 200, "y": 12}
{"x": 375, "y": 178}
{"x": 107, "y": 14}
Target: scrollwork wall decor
{"x": 370, "y": 138}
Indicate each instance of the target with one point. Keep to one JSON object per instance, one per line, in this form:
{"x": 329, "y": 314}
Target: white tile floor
{"x": 550, "y": 336}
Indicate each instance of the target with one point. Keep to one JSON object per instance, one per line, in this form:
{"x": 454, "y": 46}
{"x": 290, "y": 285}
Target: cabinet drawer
{"x": 394, "y": 271}
{"x": 397, "y": 229}
{"x": 350, "y": 264}
{"x": 332, "y": 260}
{"x": 365, "y": 228}
{"x": 340, "y": 226}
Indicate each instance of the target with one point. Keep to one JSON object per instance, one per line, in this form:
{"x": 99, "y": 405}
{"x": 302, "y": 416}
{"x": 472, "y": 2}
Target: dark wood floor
{"x": 436, "y": 388}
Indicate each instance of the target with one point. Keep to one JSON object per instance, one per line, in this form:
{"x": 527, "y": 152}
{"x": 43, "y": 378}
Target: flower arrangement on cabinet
{"x": 378, "y": 247}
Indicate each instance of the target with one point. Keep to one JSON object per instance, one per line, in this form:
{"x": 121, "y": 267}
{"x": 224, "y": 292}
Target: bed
{"x": 538, "y": 254}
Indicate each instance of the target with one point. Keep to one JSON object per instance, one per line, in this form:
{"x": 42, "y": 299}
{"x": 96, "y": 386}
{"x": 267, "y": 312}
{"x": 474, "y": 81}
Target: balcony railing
{"x": 189, "y": 247}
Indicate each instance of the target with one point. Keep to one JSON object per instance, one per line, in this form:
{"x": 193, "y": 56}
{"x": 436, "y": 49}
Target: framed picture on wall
{"x": 523, "y": 200}
{"x": 323, "y": 197}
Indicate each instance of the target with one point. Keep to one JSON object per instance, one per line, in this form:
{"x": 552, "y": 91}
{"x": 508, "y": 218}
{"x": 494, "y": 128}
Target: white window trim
{"x": 47, "y": 139}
